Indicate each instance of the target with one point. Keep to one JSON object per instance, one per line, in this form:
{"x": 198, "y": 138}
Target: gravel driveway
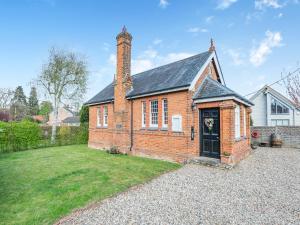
{"x": 263, "y": 189}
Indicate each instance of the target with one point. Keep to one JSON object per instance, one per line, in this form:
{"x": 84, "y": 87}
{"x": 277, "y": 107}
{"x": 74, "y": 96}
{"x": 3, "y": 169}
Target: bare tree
{"x": 292, "y": 84}
{"x": 63, "y": 78}
{"x": 6, "y": 95}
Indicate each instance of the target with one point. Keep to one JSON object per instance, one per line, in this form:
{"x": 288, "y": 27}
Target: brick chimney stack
{"x": 123, "y": 81}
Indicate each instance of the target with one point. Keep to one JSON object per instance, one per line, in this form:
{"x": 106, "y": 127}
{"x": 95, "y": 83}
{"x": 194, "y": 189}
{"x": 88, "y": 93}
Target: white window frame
{"x": 274, "y": 122}
{"x": 98, "y": 116}
{"x": 277, "y": 102}
{"x": 105, "y": 116}
{"x": 245, "y": 123}
{"x": 179, "y": 128}
{"x": 165, "y": 113}
{"x": 151, "y": 112}
{"x": 144, "y": 113}
{"x": 237, "y": 125}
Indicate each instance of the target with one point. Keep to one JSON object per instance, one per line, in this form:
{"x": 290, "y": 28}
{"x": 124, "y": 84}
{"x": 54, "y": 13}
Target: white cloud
{"x": 209, "y": 19}
{"x": 280, "y": 15}
{"x": 112, "y": 59}
{"x": 261, "y": 4}
{"x": 157, "y": 41}
{"x": 173, "y": 57}
{"x": 197, "y": 30}
{"x": 163, "y": 3}
{"x": 140, "y": 65}
{"x": 224, "y": 4}
{"x": 236, "y": 56}
{"x": 147, "y": 60}
{"x": 258, "y": 55}
{"x": 149, "y": 53}
{"x": 106, "y": 46}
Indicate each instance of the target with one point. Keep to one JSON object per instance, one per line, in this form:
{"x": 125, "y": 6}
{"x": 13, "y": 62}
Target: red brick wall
{"x": 166, "y": 144}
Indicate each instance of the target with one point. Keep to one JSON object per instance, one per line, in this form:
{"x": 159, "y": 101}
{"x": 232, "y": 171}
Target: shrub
{"x": 16, "y": 136}
{"x": 113, "y": 150}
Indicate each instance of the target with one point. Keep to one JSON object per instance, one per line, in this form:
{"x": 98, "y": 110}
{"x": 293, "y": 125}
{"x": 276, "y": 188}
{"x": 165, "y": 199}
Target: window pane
{"x": 279, "y": 109}
{"x": 98, "y": 117}
{"x": 165, "y": 112}
{"x": 143, "y": 114}
{"x": 237, "y": 122}
{"x": 273, "y": 123}
{"x": 279, "y": 122}
{"x": 154, "y": 112}
{"x": 285, "y": 122}
{"x": 105, "y": 115}
{"x": 273, "y": 106}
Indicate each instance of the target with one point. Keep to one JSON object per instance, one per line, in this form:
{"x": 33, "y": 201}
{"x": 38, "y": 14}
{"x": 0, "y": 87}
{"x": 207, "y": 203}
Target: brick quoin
{"x": 125, "y": 129}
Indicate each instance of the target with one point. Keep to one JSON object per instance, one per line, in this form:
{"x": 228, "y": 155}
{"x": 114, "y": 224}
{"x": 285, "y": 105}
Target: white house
{"x": 273, "y": 109}
{"x": 63, "y": 113}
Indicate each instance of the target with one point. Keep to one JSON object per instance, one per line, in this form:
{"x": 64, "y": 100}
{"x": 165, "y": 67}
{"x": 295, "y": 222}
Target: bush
{"x": 17, "y": 136}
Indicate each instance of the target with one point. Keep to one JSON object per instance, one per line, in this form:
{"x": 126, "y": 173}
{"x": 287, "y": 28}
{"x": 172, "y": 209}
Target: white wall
{"x": 297, "y": 118}
{"x": 259, "y": 110}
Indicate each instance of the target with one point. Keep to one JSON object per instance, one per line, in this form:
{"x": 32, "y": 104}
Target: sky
{"x": 256, "y": 40}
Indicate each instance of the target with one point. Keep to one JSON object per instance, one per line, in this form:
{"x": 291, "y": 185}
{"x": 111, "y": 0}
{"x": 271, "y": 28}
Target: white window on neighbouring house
{"x": 283, "y": 122}
{"x": 144, "y": 113}
{"x": 245, "y": 123}
{"x": 237, "y": 127}
{"x": 278, "y": 108}
{"x": 164, "y": 113}
{"x": 177, "y": 123}
{"x": 105, "y": 116}
{"x": 154, "y": 113}
{"x": 98, "y": 117}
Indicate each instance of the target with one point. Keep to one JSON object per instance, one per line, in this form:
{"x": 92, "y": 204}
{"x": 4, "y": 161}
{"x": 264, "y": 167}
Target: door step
{"x": 207, "y": 161}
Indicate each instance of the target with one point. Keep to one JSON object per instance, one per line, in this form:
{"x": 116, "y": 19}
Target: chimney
{"x": 124, "y": 59}
{"x": 212, "y": 47}
{"x": 122, "y": 81}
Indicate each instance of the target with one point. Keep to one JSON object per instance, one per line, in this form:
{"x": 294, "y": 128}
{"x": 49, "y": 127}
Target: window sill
{"x": 153, "y": 128}
{"x": 164, "y": 129}
{"x": 101, "y": 127}
{"x": 240, "y": 139}
{"x": 177, "y": 132}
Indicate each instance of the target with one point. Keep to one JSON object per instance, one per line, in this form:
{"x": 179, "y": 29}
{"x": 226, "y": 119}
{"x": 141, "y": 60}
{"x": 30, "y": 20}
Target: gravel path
{"x": 263, "y": 189}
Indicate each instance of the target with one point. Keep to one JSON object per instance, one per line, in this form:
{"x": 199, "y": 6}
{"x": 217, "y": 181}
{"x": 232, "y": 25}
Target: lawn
{"x": 41, "y": 186}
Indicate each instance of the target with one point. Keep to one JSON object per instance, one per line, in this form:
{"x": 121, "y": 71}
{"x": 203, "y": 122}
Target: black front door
{"x": 210, "y": 133}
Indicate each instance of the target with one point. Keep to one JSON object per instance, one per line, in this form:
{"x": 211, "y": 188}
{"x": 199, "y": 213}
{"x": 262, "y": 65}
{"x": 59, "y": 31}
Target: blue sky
{"x": 256, "y": 39}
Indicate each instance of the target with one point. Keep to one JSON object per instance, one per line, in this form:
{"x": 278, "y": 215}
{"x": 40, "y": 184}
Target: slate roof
{"x": 211, "y": 88}
{"x": 106, "y": 95}
{"x": 71, "y": 119}
{"x": 175, "y": 75}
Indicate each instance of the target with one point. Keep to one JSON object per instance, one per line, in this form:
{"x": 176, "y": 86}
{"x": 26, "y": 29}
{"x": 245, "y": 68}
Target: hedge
{"x": 18, "y": 136}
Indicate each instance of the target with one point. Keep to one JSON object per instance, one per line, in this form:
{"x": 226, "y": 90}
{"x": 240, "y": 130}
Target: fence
{"x": 18, "y": 136}
{"x": 290, "y": 135}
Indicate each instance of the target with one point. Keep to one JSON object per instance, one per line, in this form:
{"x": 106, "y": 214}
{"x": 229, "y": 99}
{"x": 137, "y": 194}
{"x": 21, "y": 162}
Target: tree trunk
{"x": 54, "y": 125}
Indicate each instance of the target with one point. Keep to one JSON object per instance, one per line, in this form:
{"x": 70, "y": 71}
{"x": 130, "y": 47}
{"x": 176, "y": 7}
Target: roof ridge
{"x": 193, "y": 56}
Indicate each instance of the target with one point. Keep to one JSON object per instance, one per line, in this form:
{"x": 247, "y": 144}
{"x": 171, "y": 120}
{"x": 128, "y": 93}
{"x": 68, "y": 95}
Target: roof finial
{"x": 124, "y": 29}
{"x": 212, "y": 47}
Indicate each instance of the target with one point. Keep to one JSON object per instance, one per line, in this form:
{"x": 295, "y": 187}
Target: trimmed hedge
{"x": 18, "y": 136}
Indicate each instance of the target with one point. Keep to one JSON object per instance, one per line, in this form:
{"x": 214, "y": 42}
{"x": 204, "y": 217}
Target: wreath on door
{"x": 209, "y": 123}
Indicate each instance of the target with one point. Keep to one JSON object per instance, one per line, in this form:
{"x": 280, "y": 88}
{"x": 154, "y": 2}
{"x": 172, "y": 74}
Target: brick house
{"x": 175, "y": 112}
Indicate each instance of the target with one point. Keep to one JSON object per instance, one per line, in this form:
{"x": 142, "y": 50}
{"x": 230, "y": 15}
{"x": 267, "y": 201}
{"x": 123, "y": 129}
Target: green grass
{"x": 41, "y": 186}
